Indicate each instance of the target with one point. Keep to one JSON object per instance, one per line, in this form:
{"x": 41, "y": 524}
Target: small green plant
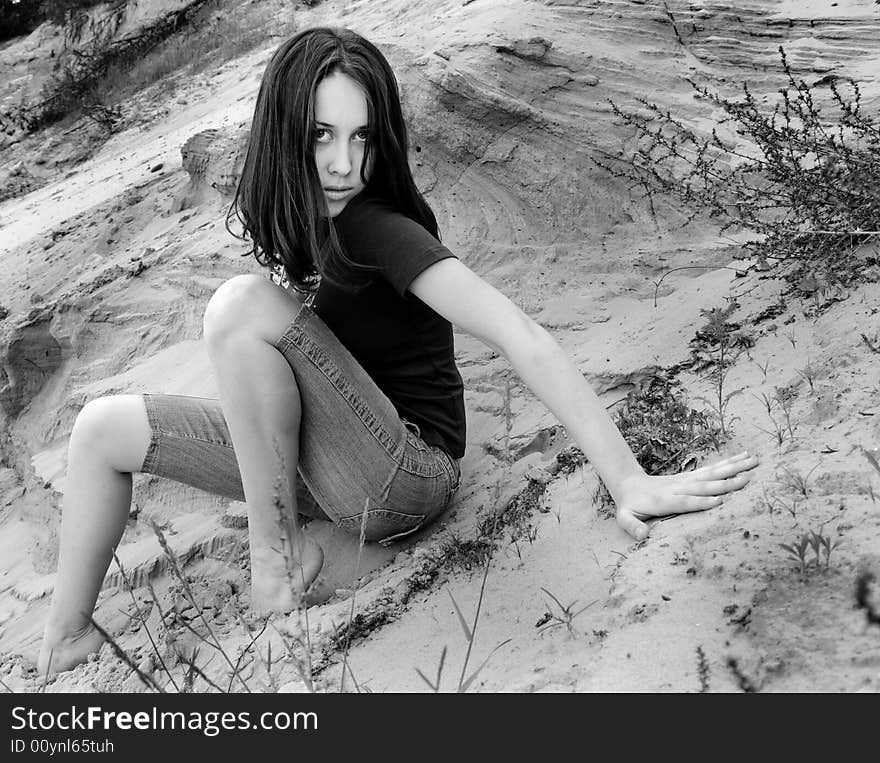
{"x": 823, "y": 543}
{"x": 782, "y": 427}
{"x": 785, "y": 397}
{"x": 662, "y": 431}
{"x": 695, "y": 555}
{"x": 808, "y": 374}
{"x": 798, "y": 550}
{"x": 763, "y": 367}
{"x": 775, "y": 503}
{"x": 778, "y": 431}
{"x": 722, "y": 338}
{"x": 770, "y": 501}
{"x": 565, "y": 616}
{"x": 818, "y": 542}
{"x": 796, "y": 482}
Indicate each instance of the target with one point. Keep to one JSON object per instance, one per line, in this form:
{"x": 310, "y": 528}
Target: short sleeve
{"x": 379, "y": 237}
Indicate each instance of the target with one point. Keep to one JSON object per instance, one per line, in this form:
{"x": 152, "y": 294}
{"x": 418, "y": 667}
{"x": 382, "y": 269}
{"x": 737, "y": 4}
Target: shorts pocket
{"x": 383, "y": 525}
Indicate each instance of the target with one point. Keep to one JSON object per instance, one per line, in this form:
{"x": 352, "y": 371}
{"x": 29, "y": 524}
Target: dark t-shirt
{"x": 405, "y": 347}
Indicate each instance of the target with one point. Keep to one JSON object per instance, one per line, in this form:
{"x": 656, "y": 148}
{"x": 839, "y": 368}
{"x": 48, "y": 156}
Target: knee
{"x": 247, "y": 306}
{"x": 114, "y": 428}
{"x": 232, "y": 306}
{"x": 92, "y": 423}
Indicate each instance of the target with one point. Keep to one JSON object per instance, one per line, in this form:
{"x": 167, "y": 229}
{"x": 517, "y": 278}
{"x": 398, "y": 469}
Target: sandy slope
{"x": 103, "y": 271}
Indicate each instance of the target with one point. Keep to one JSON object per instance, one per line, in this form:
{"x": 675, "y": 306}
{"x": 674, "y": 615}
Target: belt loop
{"x": 414, "y": 428}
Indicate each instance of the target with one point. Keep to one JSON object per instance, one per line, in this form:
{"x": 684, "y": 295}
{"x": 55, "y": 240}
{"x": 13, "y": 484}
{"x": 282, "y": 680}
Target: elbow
{"x": 528, "y": 343}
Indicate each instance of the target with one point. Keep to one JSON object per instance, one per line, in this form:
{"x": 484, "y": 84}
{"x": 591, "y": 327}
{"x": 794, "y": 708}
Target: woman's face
{"x": 341, "y": 133}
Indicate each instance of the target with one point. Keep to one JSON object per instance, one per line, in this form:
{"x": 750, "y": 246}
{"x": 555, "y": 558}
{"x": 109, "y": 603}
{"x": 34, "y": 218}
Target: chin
{"x": 335, "y": 207}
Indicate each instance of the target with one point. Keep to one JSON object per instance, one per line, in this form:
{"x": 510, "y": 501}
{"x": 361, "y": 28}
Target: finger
{"x": 632, "y": 525}
{"x": 691, "y": 503}
{"x": 714, "y": 487}
{"x": 727, "y": 468}
{"x": 743, "y": 456}
{"x": 730, "y": 459}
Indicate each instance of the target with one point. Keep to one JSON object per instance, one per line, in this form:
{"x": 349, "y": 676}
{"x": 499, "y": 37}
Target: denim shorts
{"x": 354, "y": 448}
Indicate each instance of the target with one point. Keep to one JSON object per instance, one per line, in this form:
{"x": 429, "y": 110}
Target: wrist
{"x": 628, "y": 485}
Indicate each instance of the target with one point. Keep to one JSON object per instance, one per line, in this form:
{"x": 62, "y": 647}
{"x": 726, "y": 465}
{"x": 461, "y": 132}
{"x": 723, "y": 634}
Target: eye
{"x": 362, "y": 135}
{"x": 322, "y": 135}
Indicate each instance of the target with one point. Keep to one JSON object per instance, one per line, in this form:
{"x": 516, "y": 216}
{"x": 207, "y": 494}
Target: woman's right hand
{"x": 643, "y": 497}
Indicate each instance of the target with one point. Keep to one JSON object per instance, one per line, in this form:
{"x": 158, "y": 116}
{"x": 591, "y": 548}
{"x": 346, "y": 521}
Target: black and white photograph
{"x": 438, "y": 346}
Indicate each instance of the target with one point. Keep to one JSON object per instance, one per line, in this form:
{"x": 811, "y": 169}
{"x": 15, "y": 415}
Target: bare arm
{"x": 467, "y": 301}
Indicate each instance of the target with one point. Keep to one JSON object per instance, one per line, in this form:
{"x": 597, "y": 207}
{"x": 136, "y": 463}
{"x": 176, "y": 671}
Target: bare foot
{"x": 64, "y": 651}
{"x": 274, "y": 587}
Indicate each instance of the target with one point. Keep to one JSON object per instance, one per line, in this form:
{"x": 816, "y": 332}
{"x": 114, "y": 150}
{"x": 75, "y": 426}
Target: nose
{"x": 340, "y": 161}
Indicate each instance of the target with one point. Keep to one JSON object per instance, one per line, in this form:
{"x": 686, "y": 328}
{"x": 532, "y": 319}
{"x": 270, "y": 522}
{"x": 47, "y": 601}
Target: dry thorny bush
{"x": 805, "y": 183}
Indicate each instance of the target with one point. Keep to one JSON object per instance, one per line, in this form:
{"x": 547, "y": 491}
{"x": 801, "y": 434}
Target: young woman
{"x": 340, "y": 391}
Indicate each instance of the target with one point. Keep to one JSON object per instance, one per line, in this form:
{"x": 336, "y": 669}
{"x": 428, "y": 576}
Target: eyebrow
{"x": 328, "y": 124}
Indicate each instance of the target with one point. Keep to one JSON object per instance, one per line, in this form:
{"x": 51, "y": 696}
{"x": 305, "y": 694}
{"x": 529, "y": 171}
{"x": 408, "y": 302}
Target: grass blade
{"x": 123, "y": 655}
{"x": 354, "y": 585}
{"x": 435, "y": 687}
{"x": 558, "y": 603}
{"x": 466, "y": 684}
{"x": 464, "y": 626}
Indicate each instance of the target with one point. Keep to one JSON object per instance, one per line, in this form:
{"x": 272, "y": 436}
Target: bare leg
{"x": 108, "y": 442}
{"x": 262, "y": 408}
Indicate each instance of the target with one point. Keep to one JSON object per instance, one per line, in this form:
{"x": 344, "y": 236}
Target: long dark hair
{"x": 279, "y": 199}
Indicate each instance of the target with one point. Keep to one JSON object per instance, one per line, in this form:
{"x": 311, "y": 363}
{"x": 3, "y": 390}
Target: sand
{"x": 105, "y": 271}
